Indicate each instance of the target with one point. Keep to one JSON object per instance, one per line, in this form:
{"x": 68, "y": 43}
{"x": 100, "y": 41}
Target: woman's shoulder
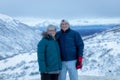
{"x": 42, "y": 41}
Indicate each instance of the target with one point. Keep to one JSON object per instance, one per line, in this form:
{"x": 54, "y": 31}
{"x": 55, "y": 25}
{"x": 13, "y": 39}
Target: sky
{"x": 33, "y": 12}
{"x": 57, "y": 9}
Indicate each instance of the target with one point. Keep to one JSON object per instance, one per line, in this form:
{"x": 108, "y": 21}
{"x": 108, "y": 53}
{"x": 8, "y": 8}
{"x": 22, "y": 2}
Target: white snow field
{"x": 25, "y": 67}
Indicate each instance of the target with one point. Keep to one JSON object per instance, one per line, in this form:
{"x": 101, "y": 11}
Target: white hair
{"x": 51, "y": 27}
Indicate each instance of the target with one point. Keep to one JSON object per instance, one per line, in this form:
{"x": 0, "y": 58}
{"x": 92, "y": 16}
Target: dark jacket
{"x": 48, "y": 54}
{"x": 71, "y": 44}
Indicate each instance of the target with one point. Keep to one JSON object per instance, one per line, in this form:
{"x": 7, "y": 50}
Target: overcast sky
{"x": 61, "y": 8}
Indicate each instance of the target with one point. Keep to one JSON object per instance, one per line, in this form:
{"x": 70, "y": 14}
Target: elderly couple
{"x": 59, "y": 53}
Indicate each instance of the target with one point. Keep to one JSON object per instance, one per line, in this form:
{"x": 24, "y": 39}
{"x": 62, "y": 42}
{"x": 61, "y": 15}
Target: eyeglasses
{"x": 51, "y": 30}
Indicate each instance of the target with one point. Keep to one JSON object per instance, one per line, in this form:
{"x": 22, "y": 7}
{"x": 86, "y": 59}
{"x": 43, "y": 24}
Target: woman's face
{"x": 52, "y": 32}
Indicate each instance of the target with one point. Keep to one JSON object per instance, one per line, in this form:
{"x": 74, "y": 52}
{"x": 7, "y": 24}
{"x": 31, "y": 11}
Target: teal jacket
{"x": 48, "y": 54}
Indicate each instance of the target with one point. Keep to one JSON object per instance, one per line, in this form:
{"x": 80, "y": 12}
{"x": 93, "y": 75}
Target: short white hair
{"x": 51, "y": 27}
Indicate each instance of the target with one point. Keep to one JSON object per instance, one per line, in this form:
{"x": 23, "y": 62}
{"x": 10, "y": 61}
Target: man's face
{"x": 64, "y": 26}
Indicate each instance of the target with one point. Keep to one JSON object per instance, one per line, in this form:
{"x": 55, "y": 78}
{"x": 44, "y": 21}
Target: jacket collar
{"x": 47, "y": 36}
{"x": 66, "y": 30}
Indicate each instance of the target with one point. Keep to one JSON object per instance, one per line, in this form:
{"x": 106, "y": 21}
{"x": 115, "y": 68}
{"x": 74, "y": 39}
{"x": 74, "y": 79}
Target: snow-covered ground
{"x": 20, "y": 67}
{"x": 25, "y": 67}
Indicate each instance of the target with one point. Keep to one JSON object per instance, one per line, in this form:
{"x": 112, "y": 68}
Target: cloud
{"x": 61, "y": 8}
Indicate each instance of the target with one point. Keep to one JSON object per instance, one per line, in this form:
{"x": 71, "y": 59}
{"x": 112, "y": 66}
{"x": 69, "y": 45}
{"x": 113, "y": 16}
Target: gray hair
{"x": 51, "y": 27}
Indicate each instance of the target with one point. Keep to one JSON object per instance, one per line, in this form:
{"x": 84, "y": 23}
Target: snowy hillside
{"x": 101, "y": 58}
{"x": 16, "y": 37}
{"x": 20, "y": 67}
{"x": 102, "y": 55}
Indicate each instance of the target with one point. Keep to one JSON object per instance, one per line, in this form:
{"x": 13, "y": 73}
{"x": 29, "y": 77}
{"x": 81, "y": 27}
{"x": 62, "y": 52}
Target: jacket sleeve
{"x": 41, "y": 55}
{"x": 79, "y": 44}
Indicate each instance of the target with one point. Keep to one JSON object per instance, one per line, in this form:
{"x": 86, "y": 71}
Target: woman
{"x": 49, "y": 55}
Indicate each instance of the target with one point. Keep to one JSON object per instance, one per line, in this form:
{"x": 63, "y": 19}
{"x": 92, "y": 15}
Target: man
{"x": 71, "y": 47}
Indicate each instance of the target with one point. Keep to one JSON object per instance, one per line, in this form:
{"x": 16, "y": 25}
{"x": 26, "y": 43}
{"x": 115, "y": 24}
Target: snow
{"x": 101, "y": 54}
{"x": 5, "y": 17}
{"x": 31, "y": 21}
{"x": 101, "y": 60}
{"x": 19, "y": 58}
{"x": 25, "y": 67}
{"x": 16, "y": 37}
{"x": 95, "y": 21}
{"x": 22, "y": 66}
{"x": 8, "y": 20}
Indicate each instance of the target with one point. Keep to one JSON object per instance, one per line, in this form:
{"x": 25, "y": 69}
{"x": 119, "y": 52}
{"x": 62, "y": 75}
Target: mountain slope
{"x": 101, "y": 58}
{"x": 20, "y": 67}
{"x": 16, "y": 37}
{"x": 102, "y": 55}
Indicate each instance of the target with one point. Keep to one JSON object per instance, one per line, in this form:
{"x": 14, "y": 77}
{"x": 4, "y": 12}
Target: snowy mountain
{"x": 84, "y": 27}
{"x": 74, "y": 22}
{"x": 101, "y": 58}
{"x": 16, "y": 37}
{"x": 101, "y": 54}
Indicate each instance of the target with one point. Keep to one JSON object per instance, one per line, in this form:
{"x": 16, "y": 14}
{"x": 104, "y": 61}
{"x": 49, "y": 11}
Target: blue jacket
{"x": 71, "y": 44}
